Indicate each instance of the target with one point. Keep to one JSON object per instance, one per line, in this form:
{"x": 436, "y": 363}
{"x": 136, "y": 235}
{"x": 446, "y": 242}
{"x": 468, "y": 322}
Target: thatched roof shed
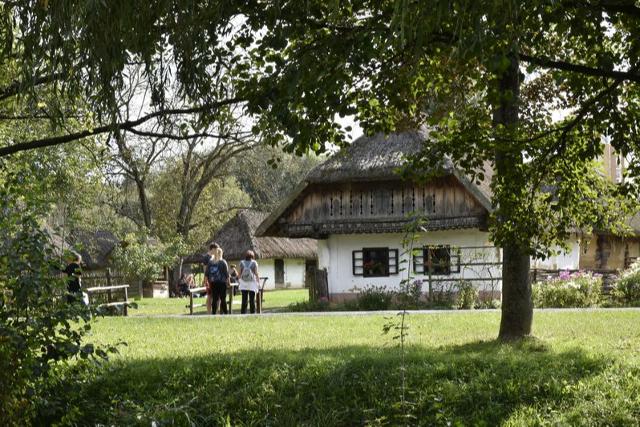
{"x": 95, "y": 247}
{"x": 238, "y": 235}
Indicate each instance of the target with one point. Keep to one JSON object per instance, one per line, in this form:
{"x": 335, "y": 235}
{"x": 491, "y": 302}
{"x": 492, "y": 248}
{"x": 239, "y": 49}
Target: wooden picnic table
{"x": 202, "y": 290}
{"x": 109, "y": 291}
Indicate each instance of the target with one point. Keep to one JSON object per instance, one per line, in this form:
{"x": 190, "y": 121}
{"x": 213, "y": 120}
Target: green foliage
{"x": 142, "y": 258}
{"x": 375, "y": 298}
{"x": 568, "y": 290}
{"x": 40, "y": 328}
{"x": 466, "y": 295}
{"x": 217, "y": 203}
{"x": 306, "y": 306}
{"x": 268, "y": 175}
{"x": 626, "y": 289}
{"x": 410, "y": 296}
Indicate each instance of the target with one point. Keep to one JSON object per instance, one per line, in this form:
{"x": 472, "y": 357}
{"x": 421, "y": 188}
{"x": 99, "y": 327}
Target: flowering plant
{"x": 627, "y": 287}
{"x": 578, "y": 289}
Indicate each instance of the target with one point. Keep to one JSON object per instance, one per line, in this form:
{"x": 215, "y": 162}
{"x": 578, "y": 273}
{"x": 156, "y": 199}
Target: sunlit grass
{"x": 274, "y": 301}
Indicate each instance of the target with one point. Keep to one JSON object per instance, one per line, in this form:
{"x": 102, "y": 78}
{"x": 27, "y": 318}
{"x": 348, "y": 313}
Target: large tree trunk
{"x": 517, "y": 307}
{"x": 144, "y": 203}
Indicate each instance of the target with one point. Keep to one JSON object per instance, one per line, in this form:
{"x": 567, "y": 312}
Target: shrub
{"x": 410, "y": 294}
{"x": 466, "y": 295}
{"x": 626, "y": 289}
{"x": 40, "y": 328}
{"x": 375, "y": 298}
{"x": 305, "y": 306}
{"x": 579, "y": 289}
{"x": 443, "y": 296}
{"x": 488, "y": 304}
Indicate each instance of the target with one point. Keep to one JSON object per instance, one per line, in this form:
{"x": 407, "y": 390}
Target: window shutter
{"x": 418, "y": 261}
{"x": 393, "y": 261}
{"x": 357, "y": 263}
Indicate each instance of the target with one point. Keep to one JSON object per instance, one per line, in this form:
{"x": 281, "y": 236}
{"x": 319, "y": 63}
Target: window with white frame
{"x": 440, "y": 260}
{"x": 375, "y": 262}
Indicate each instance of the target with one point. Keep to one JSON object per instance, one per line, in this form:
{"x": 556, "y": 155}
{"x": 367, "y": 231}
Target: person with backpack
{"x": 217, "y": 277}
{"x": 249, "y": 282}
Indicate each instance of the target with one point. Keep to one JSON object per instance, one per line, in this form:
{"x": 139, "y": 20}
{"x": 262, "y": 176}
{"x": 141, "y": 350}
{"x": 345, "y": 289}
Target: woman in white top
{"x": 249, "y": 282}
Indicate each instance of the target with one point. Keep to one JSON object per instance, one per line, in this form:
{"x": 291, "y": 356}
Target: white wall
{"x": 335, "y": 254}
{"x": 266, "y": 269}
{"x": 569, "y": 260}
{"x": 294, "y": 272}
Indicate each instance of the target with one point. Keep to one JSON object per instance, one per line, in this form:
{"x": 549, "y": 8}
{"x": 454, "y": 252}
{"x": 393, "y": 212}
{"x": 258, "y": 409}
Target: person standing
{"x": 74, "y": 274}
{"x": 217, "y": 277}
{"x": 233, "y": 277}
{"x": 205, "y": 283}
{"x": 249, "y": 282}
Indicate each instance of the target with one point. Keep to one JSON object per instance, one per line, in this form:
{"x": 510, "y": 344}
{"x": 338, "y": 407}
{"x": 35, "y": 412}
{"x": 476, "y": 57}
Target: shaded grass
{"x": 340, "y": 370}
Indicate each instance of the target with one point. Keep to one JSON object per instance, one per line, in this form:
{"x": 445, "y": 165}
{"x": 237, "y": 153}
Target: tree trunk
{"x": 517, "y": 307}
{"x": 144, "y": 203}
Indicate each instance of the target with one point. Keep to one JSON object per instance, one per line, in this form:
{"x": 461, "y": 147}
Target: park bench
{"x": 109, "y": 290}
{"x": 192, "y": 292}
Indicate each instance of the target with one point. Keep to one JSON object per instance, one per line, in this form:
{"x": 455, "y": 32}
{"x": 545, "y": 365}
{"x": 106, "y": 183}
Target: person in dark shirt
{"x": 74, "y": 272}
{"x": 213, "y": 247}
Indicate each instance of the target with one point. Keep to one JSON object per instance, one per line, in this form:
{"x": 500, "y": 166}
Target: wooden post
{"x": 190, "y": 302}
{"x": 125, "y": 309}
{"x": 230, "y": 290}
{"x": 259, "y": 301}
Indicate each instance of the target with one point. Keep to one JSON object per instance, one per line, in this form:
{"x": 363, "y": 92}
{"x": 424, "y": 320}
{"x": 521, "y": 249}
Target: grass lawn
{"x": 274, "y": 301}
{"x": 583, "y": 369}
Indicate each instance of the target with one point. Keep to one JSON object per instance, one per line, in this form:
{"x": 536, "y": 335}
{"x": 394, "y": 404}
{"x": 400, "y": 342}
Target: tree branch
{"x": 16, "y": 86}
{"x": 581, "y": 69}
{"x": 126, "y": 125}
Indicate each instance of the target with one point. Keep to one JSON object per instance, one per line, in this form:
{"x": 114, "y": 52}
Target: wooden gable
{"x": 379, "y": 206}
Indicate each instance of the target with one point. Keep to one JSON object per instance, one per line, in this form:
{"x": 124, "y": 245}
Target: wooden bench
{"x": 196, "y": 291}
{"x": 91, "y": 292}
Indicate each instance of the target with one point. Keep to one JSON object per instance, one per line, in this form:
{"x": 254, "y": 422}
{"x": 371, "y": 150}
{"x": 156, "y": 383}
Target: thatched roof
{"x": 238, "y": 235}
{"x": 377, "y": 158}
{"x": 95, "y": 247}
{"x": 370, "y": 158}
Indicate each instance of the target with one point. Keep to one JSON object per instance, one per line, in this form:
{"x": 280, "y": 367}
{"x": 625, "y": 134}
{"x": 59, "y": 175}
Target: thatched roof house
{"x": 238, "y": 235}
{"x": 372, "y": 162}
{"x": 95, "y": 247}
{"x": 282, "y": 260}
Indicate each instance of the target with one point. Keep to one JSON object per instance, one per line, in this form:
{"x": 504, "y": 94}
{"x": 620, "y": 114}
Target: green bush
{"x": 305, "y": 306}
{"x": 410, "y": 295}
{"x": 375, "y": 298}
{"x": 581, "y": 289}
{"x": 466, "y": 295}
{"x": 488, "y": 304}
{"x": 626, "y": 289}
{"x": 443, "y": 295}
{"x": 41, "y": 329}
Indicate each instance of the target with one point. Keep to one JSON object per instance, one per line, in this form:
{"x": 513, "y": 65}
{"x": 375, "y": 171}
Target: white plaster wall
{"x": 335, "y": 254}
{"x": 294, "y": 273}
{"x": 569, "y": 260}
{"x": 266, "y": 269}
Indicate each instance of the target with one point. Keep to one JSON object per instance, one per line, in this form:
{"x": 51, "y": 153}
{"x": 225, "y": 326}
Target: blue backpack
{"x": 217, "y": 271}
